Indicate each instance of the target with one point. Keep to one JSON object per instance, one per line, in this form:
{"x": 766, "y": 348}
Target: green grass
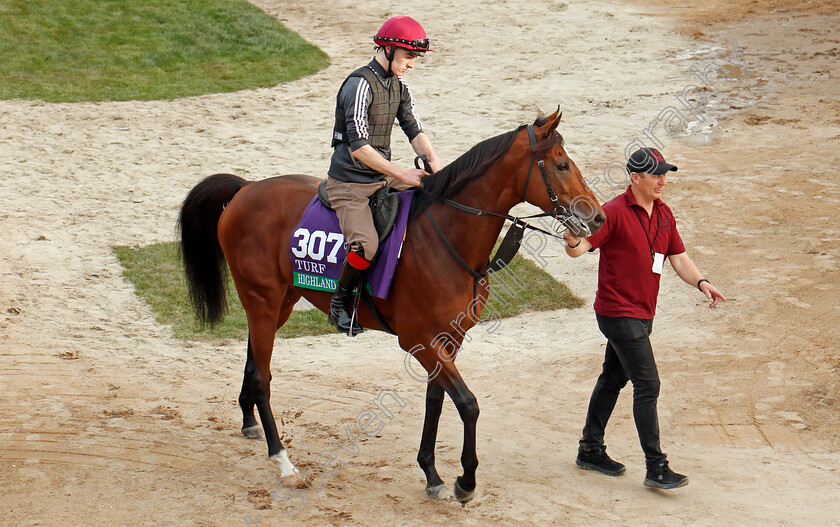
{"x": 158, "y": 278}
{"x": 540, "y": 293}
{"x": 114, "y": 50}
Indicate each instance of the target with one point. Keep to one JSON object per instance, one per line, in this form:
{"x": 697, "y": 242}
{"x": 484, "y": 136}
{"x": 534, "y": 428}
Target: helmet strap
{"x": 390, "y": 57}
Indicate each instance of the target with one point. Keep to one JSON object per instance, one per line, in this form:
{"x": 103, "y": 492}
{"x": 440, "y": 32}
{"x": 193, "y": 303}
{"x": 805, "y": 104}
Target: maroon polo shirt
{"x": 627, "y": 286}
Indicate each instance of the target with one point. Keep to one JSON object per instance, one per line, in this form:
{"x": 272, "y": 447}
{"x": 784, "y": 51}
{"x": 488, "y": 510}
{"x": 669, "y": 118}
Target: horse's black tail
{"x": 204, "y": 263}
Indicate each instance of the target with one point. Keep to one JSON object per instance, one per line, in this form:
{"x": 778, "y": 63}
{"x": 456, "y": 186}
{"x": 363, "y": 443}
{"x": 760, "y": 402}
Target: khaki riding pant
{"x": 350, "y": 202}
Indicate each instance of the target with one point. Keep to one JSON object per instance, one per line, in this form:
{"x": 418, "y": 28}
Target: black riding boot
{"x": 340, "y": 315}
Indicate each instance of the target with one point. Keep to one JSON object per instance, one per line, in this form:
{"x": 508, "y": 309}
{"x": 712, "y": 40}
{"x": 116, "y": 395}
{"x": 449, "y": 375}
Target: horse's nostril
{"x": 600, "y": 219}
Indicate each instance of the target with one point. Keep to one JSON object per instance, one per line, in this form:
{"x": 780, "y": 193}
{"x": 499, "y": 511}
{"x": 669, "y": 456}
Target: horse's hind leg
{"x": 435, "y": 488}
{"x": 262, "y": 325}
{"x": 248, "y": 398}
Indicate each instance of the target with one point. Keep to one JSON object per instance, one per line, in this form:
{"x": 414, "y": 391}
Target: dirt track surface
{"x": 105, "y": 419}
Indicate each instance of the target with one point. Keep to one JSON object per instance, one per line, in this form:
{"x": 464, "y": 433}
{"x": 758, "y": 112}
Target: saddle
{"x": 384, "y": 206}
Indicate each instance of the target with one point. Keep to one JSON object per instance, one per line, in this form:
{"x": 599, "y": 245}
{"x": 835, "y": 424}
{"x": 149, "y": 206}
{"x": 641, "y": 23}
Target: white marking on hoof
{"x": 289, "y": 474}
{"x": 252, "y": 432}
{"x": 286, "y": 466}
{"x": 461, "y": 495}
{"x": 439, "y": 492}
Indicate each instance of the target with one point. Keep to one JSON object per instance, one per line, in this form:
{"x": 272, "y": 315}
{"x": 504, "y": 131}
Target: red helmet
{"x": 403, "y": 32}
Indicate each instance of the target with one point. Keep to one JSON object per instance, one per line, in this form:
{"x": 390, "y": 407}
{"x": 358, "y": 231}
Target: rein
{"x": 513, "y": 239}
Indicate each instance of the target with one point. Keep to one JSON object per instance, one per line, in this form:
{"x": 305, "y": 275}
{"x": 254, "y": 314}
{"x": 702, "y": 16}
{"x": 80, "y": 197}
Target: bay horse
{"x": 249, "y": 226}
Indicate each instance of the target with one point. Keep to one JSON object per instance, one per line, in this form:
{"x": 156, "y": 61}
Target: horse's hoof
{"x": 438, "y": 492}
{"x": 462, "y": 495}
{"x": 295, "y": 481}
{"x": 289, "y": 475}
{"x": 252, "y": 432}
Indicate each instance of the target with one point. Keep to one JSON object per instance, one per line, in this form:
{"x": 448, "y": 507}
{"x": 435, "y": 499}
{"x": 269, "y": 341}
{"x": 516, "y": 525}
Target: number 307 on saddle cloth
{"x": 318, "y": 249}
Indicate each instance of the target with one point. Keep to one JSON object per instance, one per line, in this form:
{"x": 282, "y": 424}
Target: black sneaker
{"x": 662, "y": 477}
{"x": 599, "y": 460}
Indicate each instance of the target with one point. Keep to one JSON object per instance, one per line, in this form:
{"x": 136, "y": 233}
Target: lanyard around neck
{"x": 647, "y": 236}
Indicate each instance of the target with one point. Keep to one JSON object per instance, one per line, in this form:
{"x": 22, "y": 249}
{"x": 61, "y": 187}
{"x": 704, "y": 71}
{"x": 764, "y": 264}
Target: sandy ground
{"x": 106, "y": 419}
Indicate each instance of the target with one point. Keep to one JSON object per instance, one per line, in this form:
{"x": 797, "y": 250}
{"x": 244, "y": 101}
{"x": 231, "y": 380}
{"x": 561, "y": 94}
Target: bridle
{"x": 561, "y": 213}
{"x": 513, "y": 239}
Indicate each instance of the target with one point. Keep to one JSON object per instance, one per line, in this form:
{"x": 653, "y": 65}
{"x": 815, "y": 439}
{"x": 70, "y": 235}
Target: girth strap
{"x": 377, "y": 316}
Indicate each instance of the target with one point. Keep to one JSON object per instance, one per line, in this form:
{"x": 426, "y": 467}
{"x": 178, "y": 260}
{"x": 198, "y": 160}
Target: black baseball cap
{"x": 649, "y": 161}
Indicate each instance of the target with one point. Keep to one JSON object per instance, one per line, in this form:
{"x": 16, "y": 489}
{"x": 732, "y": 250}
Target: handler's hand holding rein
{"x": 575, "y": 246}
{"x": 570, "y": 240}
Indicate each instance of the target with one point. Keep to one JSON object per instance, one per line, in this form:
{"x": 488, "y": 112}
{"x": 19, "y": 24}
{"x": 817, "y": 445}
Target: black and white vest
{"x": 382, "y": 110}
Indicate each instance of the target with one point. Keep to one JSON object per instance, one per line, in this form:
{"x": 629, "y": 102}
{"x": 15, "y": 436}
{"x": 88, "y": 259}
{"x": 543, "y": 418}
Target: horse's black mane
{"x": 451, "y": 179}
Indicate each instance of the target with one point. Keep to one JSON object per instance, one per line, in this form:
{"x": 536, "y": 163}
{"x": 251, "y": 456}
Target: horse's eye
{"x": 563, "y": 166}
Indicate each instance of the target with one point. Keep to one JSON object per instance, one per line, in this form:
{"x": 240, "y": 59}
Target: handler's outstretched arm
{"x": 685, "y": 269}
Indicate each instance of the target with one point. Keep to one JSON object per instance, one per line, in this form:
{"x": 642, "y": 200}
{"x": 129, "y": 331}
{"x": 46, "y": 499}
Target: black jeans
{"x": 629, "y": 356}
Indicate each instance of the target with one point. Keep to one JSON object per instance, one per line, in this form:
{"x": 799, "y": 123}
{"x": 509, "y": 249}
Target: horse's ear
{"x": 550, "y": 125}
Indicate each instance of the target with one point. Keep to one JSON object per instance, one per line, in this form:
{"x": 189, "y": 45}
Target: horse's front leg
{"x": 467, "y": 406}
{"x": 448, "y": 378}
{"x": 435, "y": 487}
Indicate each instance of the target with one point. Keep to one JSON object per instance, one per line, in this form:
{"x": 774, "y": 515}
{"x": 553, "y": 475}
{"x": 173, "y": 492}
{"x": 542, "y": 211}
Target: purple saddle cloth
{"x": 318, "y": 249}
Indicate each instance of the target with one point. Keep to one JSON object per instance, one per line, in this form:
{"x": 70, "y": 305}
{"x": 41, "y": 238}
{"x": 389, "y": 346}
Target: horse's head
{"x": 549, "y": 179}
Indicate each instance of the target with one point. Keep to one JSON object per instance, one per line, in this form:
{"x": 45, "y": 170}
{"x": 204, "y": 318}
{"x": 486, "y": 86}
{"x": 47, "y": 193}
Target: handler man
{"x": 639, "y": 232}
{"x": 367, "y": 104}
